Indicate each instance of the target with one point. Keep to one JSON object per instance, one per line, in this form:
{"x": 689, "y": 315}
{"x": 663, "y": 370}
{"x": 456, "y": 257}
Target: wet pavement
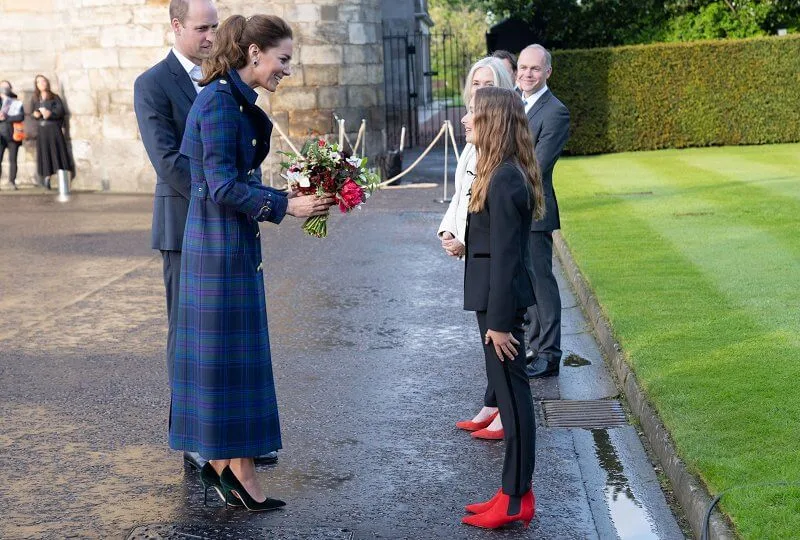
{"x": 374, "y": 360}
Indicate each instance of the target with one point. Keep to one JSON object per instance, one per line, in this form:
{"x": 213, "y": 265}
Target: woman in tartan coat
{"x": 223, "y": 394}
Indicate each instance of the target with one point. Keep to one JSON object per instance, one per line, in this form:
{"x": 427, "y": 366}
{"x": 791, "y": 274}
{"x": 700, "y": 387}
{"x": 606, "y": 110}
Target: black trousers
{"x": 544, "y": 317}
{"x": 13, "y": 149}
{"x": 513, "y": 394}
{"x": 172, "y": 284}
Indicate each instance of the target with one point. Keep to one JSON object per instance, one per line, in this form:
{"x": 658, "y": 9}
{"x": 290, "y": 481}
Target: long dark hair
{"x": 234, "y": 37}
{"x": 37, "y": 95}
{"x": 501, "y": 132}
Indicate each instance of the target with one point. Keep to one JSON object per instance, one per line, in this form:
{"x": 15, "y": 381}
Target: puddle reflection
{"x": 630, "y": 518}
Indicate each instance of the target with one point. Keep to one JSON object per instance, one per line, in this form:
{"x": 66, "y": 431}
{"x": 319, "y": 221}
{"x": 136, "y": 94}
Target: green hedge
{"x": 676, "y": 95}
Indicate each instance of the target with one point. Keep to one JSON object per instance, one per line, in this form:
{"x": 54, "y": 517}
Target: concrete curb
{"x": 689, "y": 490}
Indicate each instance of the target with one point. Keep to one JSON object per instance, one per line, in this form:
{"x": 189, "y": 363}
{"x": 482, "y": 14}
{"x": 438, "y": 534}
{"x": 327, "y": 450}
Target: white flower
{"x": 296, "y": 177}
{"x": 354, "y": 161}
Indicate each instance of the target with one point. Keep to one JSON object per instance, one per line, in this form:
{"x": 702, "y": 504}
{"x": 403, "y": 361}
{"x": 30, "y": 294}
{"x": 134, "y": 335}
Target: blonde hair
{"x": 233, "y": 39}
{"x": 502, "y": 78}
{"x": 501, "y": 133}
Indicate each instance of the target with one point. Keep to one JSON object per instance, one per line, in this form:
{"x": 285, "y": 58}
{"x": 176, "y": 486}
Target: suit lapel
{"x": 181, "y": 77}
{"x": 539, "y": 104}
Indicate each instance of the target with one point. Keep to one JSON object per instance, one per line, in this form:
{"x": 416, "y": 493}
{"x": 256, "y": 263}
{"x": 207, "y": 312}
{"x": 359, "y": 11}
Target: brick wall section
{"x": 93, "y": 50}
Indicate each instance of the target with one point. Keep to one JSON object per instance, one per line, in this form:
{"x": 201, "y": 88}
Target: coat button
{"x": 241, "y": 109}
{"x": 260, "y": 266}
{"x": 223, "y": 81}
{"x": 255, "y": 142}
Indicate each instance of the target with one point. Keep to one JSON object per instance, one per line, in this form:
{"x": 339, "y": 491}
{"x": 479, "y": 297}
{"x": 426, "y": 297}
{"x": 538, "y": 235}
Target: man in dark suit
{"x": 162, "y": 98}
{"x": 548, "y": 119}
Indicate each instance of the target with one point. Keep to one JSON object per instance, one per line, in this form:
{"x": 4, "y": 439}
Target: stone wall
{"x": 93, "y": 50}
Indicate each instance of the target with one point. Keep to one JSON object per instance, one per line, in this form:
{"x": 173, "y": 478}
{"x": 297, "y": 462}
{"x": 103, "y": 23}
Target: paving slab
{"x": 374, "y": 359}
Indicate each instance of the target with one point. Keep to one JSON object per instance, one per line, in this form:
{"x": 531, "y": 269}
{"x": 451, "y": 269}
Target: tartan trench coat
{"x": 223, "y": 393}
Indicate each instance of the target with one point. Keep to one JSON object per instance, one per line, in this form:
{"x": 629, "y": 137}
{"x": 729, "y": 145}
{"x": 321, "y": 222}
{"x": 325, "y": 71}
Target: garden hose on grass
{"x": 707, "y": 520}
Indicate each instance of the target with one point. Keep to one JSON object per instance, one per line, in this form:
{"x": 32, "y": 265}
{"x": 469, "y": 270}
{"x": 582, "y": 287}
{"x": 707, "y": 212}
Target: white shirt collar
{"x": 532, "y": 99}
{"x": 189, "y": 66}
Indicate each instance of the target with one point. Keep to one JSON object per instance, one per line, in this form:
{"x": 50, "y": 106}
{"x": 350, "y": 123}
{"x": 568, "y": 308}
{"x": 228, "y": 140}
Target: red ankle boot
{"x": 480, "y": 508}
{"x": 497, "y": 515}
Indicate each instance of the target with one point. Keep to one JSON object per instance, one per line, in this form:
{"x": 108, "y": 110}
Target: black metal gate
{"x": 423, "y": 79}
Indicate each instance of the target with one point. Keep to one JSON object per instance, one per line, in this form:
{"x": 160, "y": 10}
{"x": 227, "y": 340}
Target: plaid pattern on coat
{"x": 223, "y": 393}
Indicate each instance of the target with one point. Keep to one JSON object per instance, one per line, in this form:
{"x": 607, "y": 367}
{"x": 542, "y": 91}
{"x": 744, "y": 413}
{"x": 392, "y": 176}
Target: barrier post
{"x": 63, "y": 185}
{"x": 445, "y": 127}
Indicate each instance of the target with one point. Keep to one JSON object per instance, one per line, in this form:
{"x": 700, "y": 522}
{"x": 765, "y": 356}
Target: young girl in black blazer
{"x": 498, "y": 284}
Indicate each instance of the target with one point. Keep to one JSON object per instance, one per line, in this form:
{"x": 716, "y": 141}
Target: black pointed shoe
{"x": 210, "y": 480}
{"x": 232, "y": 488}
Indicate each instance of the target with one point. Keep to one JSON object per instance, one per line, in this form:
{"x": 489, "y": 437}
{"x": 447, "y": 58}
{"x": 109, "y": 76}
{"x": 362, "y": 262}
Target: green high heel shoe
{"x": 210, "y": 480}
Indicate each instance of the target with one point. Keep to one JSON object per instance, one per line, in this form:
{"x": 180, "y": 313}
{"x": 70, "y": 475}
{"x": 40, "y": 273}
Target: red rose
{"x": 350, "y": 196}
{"x": 321, "y": 143}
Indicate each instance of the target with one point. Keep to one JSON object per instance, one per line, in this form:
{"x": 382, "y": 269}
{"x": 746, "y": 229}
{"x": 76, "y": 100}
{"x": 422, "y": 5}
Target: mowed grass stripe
{"x": 721, "y": 375}
{"x": 752, "y": 170}
{"x": 751, "y": 250}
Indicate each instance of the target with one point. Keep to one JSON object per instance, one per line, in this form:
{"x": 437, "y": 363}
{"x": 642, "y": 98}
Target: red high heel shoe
{"x": 479, "y": 508}
{"x": 469, "y": 425}
{"x": 489, "y": 434}
{"x": 497, "y": 515}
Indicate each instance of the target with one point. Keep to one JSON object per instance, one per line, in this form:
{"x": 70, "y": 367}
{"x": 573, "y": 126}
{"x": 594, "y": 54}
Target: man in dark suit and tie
{"x": 548, "y": 119}
{"x": 162, "y": 98}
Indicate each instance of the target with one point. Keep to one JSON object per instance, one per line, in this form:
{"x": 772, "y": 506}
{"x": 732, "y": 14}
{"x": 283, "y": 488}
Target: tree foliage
{"x": 597, "y": 23}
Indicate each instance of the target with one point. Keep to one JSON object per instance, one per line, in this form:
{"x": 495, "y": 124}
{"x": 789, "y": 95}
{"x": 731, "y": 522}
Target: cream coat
{"x": 455, "y": 219}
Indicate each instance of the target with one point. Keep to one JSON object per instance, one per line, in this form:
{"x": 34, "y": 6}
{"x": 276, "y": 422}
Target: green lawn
{"x": 695, "y": 257}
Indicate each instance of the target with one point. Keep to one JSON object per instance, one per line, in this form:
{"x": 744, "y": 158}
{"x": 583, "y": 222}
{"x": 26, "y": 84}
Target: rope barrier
{"x": 453, "y": 140}
{"x": 285, "y": 138}
{"x": 360, "y": 137}
{"x": 446, "y": 130}
{"x": 425, "y": 153}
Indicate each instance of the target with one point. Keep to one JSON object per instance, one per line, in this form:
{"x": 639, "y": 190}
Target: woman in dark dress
{"x": 52, "y": 153}
{"x": 498, "y": 284}
{"x": 223, "y": 394}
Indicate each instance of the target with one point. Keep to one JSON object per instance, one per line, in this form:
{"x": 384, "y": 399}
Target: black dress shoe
{"x": 194, "y": 460}
{"x": 530, "y": 356}
{"x": 542, "y": 367}
{"x": 267, "y": 459}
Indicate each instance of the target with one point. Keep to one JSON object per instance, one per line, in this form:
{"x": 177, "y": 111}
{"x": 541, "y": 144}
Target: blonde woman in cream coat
{"x": 452, "y": 231}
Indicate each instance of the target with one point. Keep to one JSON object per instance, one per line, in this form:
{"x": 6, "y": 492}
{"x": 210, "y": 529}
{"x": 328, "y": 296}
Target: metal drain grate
{"x": 595, "y": 414}
{"x": 212, "y": 531}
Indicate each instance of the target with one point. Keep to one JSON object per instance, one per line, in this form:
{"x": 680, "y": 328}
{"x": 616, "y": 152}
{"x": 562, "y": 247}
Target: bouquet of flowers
{"x": 321, "y": 168}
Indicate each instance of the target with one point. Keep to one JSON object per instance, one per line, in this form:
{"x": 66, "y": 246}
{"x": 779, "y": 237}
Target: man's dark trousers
{"x": 544, "y": 317}
{"x": 163, "y": 96}
{"x": 172, "y": 284}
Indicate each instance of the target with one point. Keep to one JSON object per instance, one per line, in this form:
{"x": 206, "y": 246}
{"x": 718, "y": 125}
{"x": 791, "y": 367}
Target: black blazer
{"x": 549, "y": 123}
{"x": 162, "y": 97}
{"x": 497, "y": 275}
